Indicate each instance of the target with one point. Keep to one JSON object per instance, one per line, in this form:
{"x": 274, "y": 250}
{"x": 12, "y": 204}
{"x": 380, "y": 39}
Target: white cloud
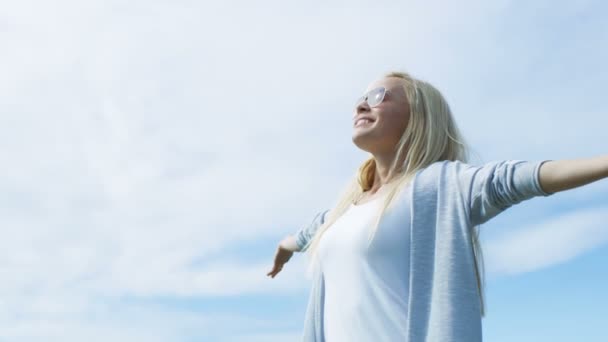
{"x": 548, "y": 243}
{"x": 105, "y": 320}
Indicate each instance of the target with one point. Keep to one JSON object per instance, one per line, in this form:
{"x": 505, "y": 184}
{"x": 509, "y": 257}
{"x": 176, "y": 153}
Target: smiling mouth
{"x": 363, "y": 122}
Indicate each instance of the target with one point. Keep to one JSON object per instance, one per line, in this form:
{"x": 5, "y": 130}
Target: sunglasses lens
{"x": 375, "y": 97}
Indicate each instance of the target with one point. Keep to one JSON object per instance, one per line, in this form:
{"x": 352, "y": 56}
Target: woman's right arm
{"x": 289, "y": 243}
{"x": 297, "y": 242}
{"x": 303, "y": 236}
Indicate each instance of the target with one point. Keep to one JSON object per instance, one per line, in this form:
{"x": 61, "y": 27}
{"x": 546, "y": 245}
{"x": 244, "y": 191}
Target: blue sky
{"x": 154, "y": 153}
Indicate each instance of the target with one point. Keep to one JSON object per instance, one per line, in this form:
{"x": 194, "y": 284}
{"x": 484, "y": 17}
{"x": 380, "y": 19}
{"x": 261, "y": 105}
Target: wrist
{"x": 289, "y": 243}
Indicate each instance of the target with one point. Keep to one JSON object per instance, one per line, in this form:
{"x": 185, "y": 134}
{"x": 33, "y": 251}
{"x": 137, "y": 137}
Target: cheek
{"x": 394, "y": 122}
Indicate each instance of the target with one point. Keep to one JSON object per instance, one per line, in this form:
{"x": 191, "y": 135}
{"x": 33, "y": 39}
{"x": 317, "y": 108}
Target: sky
{"x": 154, "y": 153}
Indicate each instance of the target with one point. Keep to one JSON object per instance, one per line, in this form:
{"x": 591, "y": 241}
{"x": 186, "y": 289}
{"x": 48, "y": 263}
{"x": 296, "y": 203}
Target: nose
{"x": 362, "y": 107}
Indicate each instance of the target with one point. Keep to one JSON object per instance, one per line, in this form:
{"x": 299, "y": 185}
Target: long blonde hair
{"x": 430, "y": 136}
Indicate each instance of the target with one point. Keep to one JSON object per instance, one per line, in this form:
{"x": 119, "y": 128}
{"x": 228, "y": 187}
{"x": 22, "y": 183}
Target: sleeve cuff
{"x": 536, "y": 179}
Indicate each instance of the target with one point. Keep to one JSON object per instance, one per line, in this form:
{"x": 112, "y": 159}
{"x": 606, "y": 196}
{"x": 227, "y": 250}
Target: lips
{"x": 366, "y": 120}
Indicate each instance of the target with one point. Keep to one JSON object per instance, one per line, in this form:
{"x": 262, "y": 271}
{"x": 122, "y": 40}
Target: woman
{"x": 398, "y": 257}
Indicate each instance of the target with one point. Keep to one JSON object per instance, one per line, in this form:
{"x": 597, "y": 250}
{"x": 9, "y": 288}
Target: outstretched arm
{"x": 493, "y": 187}
{"x": 560, "y": 175}
{"x": 297, "y": 242}
{"x": 304, "y": 235}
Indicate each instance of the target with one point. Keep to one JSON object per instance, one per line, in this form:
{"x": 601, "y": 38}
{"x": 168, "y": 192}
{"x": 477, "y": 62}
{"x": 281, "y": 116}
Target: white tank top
{"x": 366, "y": 289}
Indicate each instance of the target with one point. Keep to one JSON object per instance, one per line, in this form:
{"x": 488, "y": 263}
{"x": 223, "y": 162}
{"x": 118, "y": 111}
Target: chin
{"x": 361, "y": 143}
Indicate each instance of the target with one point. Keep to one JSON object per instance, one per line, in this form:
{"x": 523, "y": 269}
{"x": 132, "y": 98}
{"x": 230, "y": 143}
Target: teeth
{"x": 362, "y": 122}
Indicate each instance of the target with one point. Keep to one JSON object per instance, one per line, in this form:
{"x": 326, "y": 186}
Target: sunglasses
{"x": 373, "y": 97}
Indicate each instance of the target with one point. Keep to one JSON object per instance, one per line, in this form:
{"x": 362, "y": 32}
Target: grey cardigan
{"x": 448, "y": 199}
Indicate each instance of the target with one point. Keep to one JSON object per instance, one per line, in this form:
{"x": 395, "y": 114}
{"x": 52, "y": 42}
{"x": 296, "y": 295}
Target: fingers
{"x": 275, "y": 270}
{"x": 280, "y": 258}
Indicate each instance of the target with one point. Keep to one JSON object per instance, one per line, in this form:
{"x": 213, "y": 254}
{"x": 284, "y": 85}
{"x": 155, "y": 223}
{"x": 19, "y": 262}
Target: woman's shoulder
{"x": 445, "y": 164}
{"x": 448, "y": 170}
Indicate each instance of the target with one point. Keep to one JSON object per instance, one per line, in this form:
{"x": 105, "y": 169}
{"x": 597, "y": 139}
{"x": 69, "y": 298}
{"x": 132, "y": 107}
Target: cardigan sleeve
{"x": 495, "y": 186}
{"x": 305, "y": 234}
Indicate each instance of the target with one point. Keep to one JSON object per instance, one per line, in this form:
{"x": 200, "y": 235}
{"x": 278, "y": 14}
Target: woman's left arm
{"x": 560, "y": 175}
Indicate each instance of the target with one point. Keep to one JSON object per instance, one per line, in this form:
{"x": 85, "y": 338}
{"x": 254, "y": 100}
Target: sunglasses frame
{"x": 365, "y": 97}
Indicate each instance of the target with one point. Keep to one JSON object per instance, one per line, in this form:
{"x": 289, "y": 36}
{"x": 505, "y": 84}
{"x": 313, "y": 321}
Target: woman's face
{"x": 389, "y": 118}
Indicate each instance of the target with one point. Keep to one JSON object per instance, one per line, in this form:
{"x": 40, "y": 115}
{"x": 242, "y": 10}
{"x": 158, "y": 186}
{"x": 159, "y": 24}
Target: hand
{"x": 281, "y": 257}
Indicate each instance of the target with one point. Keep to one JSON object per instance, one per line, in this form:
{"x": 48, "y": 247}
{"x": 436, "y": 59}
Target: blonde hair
{"x": 430, "y": 136}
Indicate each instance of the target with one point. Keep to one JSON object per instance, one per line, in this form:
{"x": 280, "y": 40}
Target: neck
{"x": 383, "y": 165}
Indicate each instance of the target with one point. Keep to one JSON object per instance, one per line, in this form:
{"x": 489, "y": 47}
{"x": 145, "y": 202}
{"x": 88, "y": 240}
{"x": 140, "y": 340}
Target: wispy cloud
{"x": 548, "y": 243}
